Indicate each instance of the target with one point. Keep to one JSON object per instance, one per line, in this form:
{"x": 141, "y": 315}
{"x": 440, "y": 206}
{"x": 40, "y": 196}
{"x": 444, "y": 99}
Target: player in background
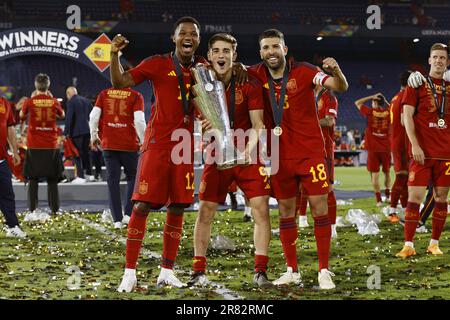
{"x": 42, "y": 158}
{"x": 289, "y": 86}
{"x": 327, "y": 106}
{"x": 377, "y": 142}
{"x": 399, "y": 152}
{"x": 427, "y": 122}
{"x": 117, "y": 124}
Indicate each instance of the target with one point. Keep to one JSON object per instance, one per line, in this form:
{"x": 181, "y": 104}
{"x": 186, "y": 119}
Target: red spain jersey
{"x": 6, "y": 120}
{"x": 377, "y": 129}
{"x": 42, "y": 129}
{"x": 167, "y": 112}
{"x": 248, "y": 97}
{"x": 398, "y": 132}
{"x": 301, "y": 137}
{"x": 327, "y": 105}
{"x": 434, "y": 141}
{"x": 116, "y": 125}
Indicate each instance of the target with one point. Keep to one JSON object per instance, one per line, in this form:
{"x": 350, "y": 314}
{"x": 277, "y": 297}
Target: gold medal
{"x": 441, "y": 123}
{"x": 277, "y": 131}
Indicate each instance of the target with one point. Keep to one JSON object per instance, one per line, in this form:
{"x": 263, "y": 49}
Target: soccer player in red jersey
{"x": 43, "y": 158}
{"x": 377, "y": 142}
{"x": 327, "y": 106}
{"x": 159, "y": 180}
{"x": 399, "y": 152}
{"x": 245, "y": 109}
{"x": 120, "y": 113}
{"x": 290, "y": 89}
{"x": 7, "y": 197}
{"x": 427, "y": 121}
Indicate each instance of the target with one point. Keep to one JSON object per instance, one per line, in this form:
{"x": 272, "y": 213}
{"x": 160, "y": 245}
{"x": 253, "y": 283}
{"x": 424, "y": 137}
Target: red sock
{"x": 136, "y": 233}
{"x": 322, "y": 231}
{"x": 387, "y": 192}
{"x": 404, "y": 190}
{"x": 302, "y": 203}
{"x": 261, "y": 263}
{"x": 199, "y": 264}
{"x": 412, "y": 217}
{"x": 332, "y": 207}
{"x": 396, "y": 191}
{"x": 172, "y": 237}
{"x": 288, "y": 237}
{"x": 378, "y": 196}
{"x": 439, "y": 216}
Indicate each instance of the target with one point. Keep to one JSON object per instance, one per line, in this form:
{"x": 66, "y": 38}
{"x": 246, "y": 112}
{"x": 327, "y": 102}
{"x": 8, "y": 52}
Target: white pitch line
{"x": 218, "y": 288}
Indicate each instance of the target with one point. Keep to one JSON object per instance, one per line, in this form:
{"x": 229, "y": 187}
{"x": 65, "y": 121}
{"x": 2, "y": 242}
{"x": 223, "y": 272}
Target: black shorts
{"x": 43, "y": 163}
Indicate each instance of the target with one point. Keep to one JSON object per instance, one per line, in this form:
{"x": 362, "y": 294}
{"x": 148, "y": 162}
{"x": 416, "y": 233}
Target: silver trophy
{"x": 211, "y": 100}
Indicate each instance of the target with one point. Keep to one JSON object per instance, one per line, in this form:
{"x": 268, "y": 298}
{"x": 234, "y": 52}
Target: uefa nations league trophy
{"x": 211, "y": 100}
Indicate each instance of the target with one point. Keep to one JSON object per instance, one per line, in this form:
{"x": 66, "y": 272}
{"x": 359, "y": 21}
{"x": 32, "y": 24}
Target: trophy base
{"x": 231, "y": 164}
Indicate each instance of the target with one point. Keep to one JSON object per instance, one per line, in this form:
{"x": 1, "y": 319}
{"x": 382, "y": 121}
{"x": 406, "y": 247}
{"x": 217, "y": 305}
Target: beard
{"x": 277, "y": 66}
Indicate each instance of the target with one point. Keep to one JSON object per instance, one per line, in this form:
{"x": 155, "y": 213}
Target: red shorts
{"x": 160, "y": 182}
{"x": 401, "y": 160}
{"x": 311, "y": 173}
{"x": 376, "y": 159}
{"x": 435, "y": 171}
{"x": 252, "y": 180}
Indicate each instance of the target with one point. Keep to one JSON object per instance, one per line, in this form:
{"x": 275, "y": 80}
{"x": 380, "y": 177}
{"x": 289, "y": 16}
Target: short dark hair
{"x": 185, "y": 19}
{"x": 380, "y": 99}
{"x": 404, "y": 78}
{"x": 271, "y": 33}
{"x": 42, "y": 82}
{"x": 222, "y": 37}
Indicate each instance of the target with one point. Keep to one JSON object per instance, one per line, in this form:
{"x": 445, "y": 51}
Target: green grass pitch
{"x": 37, "y": 267}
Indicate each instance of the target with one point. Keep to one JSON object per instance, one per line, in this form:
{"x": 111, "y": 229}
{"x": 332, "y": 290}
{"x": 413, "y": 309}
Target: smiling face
{"x": 438, "y": 61}
{"x": 273, "y": 52}
{"x": 221, "y": 54}
{"x": 186, "y": 39}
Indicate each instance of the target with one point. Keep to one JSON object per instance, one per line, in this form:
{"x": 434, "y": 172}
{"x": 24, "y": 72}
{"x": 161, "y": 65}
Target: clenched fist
{"x": 118, "y": 43}
{"x": 330, "y": 65}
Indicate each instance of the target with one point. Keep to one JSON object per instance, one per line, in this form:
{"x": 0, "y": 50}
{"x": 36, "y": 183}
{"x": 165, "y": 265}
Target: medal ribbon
{"x": 436, "y": 98}
{"x": 179, "y": 73}
{"x": 232, "y": 99}
{"x": 278, "y": 107}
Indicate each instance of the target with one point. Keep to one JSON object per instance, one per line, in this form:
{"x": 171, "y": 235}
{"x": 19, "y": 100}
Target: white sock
{"x": 130, "y": 272}
{"x": 303, "y": 218}
{"x": 409, "y": 244}
{"x": 248, "y": 211}
{"x": 333, "y": 227}
{"x": 432, "y": 241}
{"x": 392, "y": 210}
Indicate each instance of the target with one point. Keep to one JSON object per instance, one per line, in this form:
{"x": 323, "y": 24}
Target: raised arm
{"x": 337, "y": 82}
{"x": 119, "y": 78}
{"x": 360, "y": 102}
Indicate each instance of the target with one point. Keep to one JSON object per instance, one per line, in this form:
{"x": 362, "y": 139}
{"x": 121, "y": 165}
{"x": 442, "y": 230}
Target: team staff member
{"x": 7, "y": 198}
{"x": 42, "y": 159}
{"x": 77, "y": 128}
{"x": 120, "y": 113}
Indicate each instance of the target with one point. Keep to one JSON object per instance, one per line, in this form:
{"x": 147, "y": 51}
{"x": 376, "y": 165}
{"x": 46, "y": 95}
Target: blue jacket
{"x": 77, "y": 116}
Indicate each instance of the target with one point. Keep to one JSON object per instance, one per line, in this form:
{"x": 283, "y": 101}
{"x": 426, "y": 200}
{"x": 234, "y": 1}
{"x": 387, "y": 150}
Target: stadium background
{"x": 371, "y": 59}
